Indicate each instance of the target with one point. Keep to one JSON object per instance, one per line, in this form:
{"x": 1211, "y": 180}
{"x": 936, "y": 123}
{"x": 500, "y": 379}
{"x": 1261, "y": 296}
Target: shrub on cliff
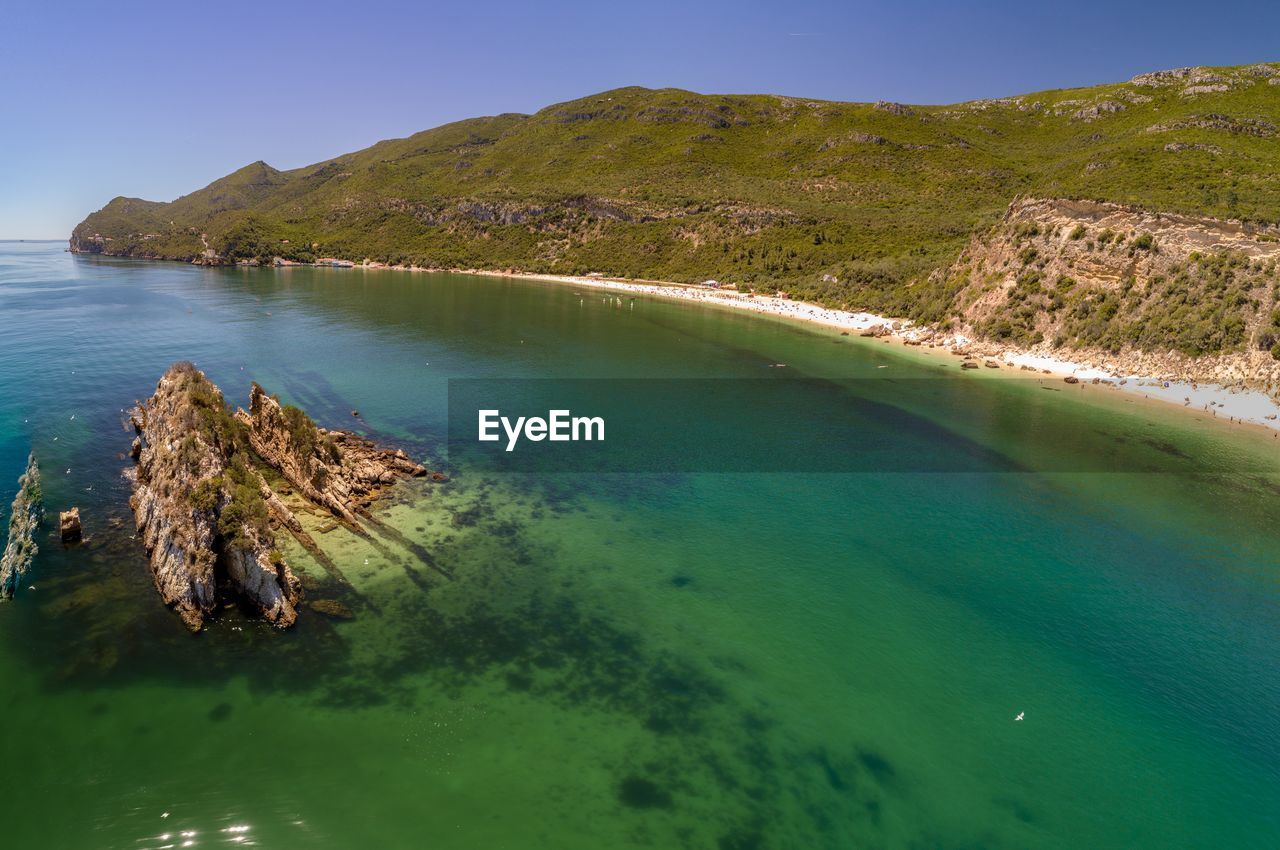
{"x": 306, "y": 438}
{"x": 244, "y": 520}
{"x": 214, "y": 421}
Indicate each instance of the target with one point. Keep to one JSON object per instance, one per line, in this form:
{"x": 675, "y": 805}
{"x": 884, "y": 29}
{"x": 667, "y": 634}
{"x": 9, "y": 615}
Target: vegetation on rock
{"x": 24, "y": 518}
{"x": 200, "y": 506}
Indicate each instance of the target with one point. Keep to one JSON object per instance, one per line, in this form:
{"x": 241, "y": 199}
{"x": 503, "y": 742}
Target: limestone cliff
{"x": 199, "y": 509}
{"x": 24, "y": 518}
{"x": 1126, "y": 289}
{"x": 338, "y": 470}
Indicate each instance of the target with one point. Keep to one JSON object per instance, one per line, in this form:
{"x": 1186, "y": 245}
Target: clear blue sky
{"x": 157, "y": 99}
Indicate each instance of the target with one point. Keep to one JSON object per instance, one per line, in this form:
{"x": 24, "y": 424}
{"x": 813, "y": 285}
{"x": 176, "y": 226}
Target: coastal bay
{"x": 698, "y": 660}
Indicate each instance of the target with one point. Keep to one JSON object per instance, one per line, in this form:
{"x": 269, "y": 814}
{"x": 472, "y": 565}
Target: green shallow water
{"x": 704, "y": 661}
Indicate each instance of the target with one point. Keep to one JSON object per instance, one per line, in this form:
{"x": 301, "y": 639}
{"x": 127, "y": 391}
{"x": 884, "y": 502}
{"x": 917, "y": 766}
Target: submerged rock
{"x": 331, "y": 608}
{"x": 24, "y": 518}
{"x": 199, "y": 508}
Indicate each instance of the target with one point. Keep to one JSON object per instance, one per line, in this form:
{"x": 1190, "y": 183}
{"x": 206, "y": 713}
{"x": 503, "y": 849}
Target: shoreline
{"x": 1253, "y": 409}
{"x": 1250, "y": 408}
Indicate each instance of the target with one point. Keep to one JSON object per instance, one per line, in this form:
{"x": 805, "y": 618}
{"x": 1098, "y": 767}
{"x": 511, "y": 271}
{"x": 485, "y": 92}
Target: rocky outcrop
{"x": 24, "y": 519}
{"x": 338, "y": 470}
{"x": 1126, "y": 289}
{"x": 69, "y": 525}
{"x": 1177, "y": 147}
{"x": 1097, "y": 110}
{"x": 206, "y": 514}
{"x": 1169, "y": 77}
{"x": 199, "y": 510}
{"x": 1258, "y": 127}
{"x": 894, "y": 108}
{"x": 1200, "y": 79}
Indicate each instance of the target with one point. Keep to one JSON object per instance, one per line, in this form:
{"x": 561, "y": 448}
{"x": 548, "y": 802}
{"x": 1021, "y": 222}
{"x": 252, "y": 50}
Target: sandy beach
{"x": 1231, "y": 406}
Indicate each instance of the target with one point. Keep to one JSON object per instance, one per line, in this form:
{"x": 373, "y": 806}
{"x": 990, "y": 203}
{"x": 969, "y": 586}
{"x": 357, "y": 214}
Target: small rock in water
{"x": 69, "y": 525}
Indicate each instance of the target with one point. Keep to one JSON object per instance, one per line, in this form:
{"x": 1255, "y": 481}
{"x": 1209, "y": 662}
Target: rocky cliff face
{"x": 24, "y": 518}
{"x": 198, "y": 506}
{"x": 1127, "y": 289}
{"x": 336, "y": 469}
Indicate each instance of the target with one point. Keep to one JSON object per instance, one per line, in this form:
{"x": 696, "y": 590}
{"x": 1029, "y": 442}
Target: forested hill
{"x": 850, "y": 204}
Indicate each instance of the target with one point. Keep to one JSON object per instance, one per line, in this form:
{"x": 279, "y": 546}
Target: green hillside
{"x": 844, "y": 203}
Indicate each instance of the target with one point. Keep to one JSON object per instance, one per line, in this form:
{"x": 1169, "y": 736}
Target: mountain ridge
{"x": 853, "y": 205}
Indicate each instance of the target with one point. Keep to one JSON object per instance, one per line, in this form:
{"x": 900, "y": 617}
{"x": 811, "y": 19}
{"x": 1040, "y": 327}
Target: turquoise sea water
{"x": 725, "y": 661}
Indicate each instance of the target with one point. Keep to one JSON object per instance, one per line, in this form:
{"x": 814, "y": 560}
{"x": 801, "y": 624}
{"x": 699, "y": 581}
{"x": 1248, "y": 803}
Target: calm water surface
{"x": 659, "y": 661}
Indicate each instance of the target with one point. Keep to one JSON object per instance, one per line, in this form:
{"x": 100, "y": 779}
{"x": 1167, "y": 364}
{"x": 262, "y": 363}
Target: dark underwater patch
{"x": 834, "y": 779}
{"x": 877, "y": 765}
{"x": 508, "y": 619}
{"x": 742, "y": 838}
{"x": 1165, "y": 447}
{"x": 1017, "y": 809}
{"x": 640, "y": 793}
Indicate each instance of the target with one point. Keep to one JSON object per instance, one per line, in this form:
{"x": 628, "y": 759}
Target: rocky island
{"x": 206, "y": 514}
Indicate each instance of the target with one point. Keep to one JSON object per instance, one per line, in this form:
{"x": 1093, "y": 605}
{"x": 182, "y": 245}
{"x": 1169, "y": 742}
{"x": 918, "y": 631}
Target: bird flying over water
{"x": 1021, "y": 714}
